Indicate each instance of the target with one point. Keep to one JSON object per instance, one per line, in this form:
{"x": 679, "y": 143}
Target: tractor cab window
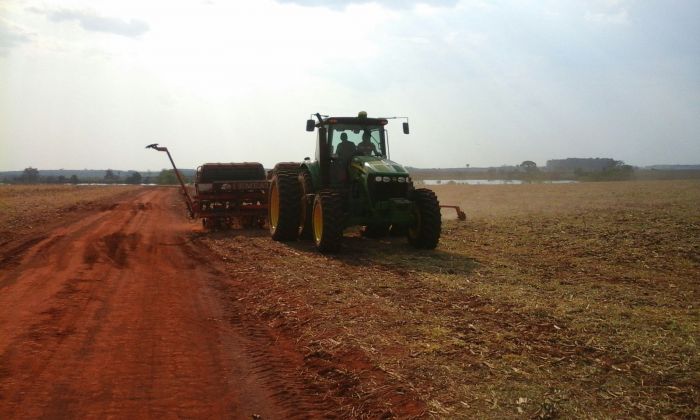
{"x": 347, "y": 141}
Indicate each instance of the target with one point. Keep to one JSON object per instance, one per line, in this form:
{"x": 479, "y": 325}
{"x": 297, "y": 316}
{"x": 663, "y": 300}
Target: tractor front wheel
{"x": 425, "y": 232}
{"x": 327, "y": 221}
{"x": 283, "y": 205}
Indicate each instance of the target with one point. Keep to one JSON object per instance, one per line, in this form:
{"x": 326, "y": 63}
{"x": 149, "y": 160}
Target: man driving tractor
{"x": 366, "y": 147}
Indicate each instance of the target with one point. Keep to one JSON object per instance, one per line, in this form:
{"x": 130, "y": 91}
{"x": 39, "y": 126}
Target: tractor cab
{"x": 346, "y": 141}
{"x": 353, "y": 144}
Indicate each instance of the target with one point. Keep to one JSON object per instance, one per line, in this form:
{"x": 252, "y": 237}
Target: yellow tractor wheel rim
{"x": 274, "y": 206}
{"x": 318, "y": 222}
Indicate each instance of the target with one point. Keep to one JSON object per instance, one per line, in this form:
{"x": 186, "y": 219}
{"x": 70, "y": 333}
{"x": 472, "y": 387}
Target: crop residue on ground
{"x": 551, "y": 300}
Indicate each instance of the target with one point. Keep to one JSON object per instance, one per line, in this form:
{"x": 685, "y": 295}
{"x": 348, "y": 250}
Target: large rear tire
{"x": 327, "y": 221}
{"x": 213, "y": 223}
{"x": 283, "y": 205}
{"x": 398, "y": 230}
{"x": 425, "y": 232}
{"x": 305, "y": 205}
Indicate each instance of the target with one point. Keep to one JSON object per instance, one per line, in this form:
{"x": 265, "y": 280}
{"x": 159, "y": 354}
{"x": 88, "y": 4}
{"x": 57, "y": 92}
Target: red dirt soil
{"x": 120, "y": 314}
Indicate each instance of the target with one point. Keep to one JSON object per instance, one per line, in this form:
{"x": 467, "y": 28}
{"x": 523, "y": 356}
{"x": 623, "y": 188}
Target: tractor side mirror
{"x": 310, "y": 125}
{"x": 405, "y": 128}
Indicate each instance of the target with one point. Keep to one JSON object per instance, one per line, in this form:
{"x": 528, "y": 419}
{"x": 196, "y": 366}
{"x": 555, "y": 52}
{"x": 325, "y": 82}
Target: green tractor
{"x": 351, "y": 182}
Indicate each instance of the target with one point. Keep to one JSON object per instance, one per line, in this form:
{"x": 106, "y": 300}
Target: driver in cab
{"x": 366, "y": 147}
{"x": 345, "y": 148}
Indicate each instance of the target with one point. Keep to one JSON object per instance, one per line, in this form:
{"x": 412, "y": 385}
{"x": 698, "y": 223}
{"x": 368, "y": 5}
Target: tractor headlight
{"x": 378, "y": 179}
{"x": 386, "y": 179}
{"x": 401, "y": 179}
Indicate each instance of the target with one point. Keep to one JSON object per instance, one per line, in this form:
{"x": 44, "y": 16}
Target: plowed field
{"x": 550, "y": 301}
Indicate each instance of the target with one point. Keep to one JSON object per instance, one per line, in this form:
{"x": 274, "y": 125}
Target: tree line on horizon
{"x": 32, "y": 175}
{"x": 575, "y": 169}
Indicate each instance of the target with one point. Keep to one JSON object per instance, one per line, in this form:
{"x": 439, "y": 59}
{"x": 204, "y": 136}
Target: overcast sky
{"x": 87, "y": 84}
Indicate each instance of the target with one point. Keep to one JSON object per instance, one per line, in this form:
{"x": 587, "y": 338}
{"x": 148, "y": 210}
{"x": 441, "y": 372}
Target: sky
{"x": 86, "y": 84}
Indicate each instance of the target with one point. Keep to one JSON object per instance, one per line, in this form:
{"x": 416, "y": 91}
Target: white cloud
{"x": 91, "y": 21}
{"x": 614, "y": 12}
{"x": 389, "y": 4}
{"x": 11, "y": 36}
{"x": 619, "y": 17}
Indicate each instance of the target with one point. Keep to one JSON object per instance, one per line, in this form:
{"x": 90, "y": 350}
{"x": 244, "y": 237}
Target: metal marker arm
{"x": 188, "y": 199}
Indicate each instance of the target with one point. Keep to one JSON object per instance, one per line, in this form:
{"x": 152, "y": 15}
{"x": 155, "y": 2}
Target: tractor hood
{"x": 377, "y": 165}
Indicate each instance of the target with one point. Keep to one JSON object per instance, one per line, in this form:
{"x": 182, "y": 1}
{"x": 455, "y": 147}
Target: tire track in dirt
{"x": 118, "y": 314}
{"x": 340, "y": 372}
{"x": 275, "y": 357}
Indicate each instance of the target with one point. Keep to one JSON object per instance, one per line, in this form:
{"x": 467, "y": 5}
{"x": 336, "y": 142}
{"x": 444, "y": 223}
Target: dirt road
{"x": 119, "y": 314}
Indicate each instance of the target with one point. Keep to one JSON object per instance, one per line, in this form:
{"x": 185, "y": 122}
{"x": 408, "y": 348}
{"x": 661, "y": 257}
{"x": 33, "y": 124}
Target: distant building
{"x": 580, "y": 164}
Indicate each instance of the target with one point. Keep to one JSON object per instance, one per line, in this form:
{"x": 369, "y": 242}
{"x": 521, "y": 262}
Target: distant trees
{"x": 133, "y": 178}
{"x": 615, "y": 170}
{"x": 532, "y": 173}
{"x": 619, "y": 172}
{"x": 167, "y": 177}
{"x": 110, "y": 177}
{"x": 148, "y": 178}
{"x": 29, "y": 176}
{"x": 591, "y": 169}
{"x": 581, "y": 164}
{"x": 32, "y": 175}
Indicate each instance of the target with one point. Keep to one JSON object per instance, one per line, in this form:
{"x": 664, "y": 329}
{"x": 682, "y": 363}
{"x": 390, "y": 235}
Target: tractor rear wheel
{"x": 327, "y": 221}
{"x": 305, "y": 207}
{"x": 283, "y": 205}
{"x": 212, "y": 223}
{"x": 398, "y": 230}
{"x": 378, "y": 230}
{"x": 425, "y": 232}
